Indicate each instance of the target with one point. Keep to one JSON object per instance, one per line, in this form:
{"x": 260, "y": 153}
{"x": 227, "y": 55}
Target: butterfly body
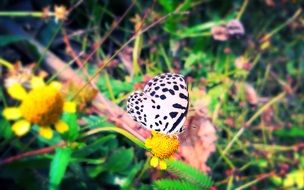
{"x": 163, "y": 105}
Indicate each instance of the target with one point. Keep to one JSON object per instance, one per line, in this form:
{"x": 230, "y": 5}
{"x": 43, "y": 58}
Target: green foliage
{"x": 120, "y": 160}
{"x": 73, "y": 132}
{"x": 8, "y": 39}
{"x": 5, "y": 129}
{"x": 189, "y": 173}
{"x": 165, "y": 184}
{"x": 59, "y": 165}
{"x": 95, "y": 146}
{"x": 291, "y": 133}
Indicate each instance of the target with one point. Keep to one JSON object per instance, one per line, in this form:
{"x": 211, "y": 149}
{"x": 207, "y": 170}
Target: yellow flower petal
{"x": 162, "y": 165}
{"x": 148, "y": 143}
{"x": 21, "y": 127}
{"x": 289, "y": 181}
{"x": 154, "y": 161}
{"x": 17, "y": 91}
{"x": 37, "y": 82}
{"x": 61, "y": 126}
{"x": 69, "y": 107}
{"x": 56, "y": 84}
{"x": 46, "y": 132}
{"x": 12, "y": 113}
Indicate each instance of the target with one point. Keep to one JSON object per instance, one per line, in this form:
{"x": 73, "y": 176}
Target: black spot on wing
{"x": 171, "y": 91}
{"x": 175, "y": 87}
{"x": 178, "y": 106}
{"x": 173, "y": 114}
{"x": 183, "y": 96}
{"x": 165, "y": 89}
{"x": 162, "y": 97}
{"x": 166, "y": 126}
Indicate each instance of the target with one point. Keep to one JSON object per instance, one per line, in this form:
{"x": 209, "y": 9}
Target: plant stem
{"x": 31, "y": 153}
{"x": 6, "y": 64}
{"x": 260, "y": 178}
{"x": 118, "y": 130}
{"x": 21, "y": 14}
{"x": 240, "y": 13}
{"x": 283, "y": 25}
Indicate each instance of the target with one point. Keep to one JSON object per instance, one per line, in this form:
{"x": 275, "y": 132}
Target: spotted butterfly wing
{"x": 163, "y": 105}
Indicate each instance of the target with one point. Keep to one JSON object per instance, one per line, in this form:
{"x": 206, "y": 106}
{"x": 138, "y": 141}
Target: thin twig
{"x": 32, "y": 153}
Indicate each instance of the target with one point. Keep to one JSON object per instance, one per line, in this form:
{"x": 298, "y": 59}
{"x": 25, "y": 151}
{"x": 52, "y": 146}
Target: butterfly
{"x": 163, "y": 104}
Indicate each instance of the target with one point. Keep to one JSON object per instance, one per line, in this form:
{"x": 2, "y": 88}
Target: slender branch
{"x": 258, "y": 179}
{"x": 32, "y": 153}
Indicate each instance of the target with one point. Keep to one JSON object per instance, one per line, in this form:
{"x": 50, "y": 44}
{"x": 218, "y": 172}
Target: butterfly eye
{"x": 163, "y": 104}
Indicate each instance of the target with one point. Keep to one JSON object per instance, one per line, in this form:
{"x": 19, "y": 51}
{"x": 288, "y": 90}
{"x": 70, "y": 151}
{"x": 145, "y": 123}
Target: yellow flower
{"x": 162, "y": 147}
{"x": 42, "y": 105}
{"x": 60, "y": 12}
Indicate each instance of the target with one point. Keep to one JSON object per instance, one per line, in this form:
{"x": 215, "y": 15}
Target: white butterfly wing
{"x": 163, "y": 105}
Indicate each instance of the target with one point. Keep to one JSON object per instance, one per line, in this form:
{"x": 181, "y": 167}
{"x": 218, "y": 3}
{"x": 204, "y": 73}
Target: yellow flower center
{"x": 161, "y": 145}
{"x": 42, "y": 106}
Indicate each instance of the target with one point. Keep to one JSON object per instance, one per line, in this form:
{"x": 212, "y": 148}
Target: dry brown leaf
{"x": 22, "y": 74}
{"x": 198, "y": 140}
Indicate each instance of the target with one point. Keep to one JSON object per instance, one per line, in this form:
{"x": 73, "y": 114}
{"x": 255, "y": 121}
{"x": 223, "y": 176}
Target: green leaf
{"x": 5, "y": 129}
{"x": 58, "y": 166}
{"x": 94, "y": 121}
{"x": 120, "y": 160}
{"x": 174, "y": 184}
{"x": 168, "y": 5}
{"x": 189, "y": 173}
{"x": 8, "y": 39}
{"x": 95, "y": 146}
{"x": 131, "y": 175}
{"x": 71, "y": 120}
{"x": 291, "y": 132}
